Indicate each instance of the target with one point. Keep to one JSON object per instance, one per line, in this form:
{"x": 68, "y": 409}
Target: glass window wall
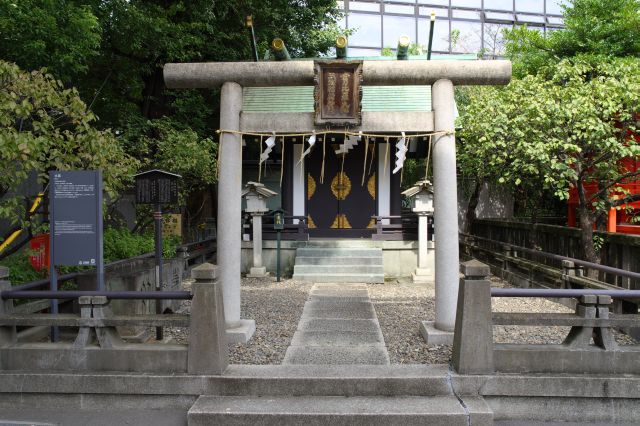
{"x": 368, "y": 30}
{"x": 476, "y": 24}
{"x": 396, "y": 26}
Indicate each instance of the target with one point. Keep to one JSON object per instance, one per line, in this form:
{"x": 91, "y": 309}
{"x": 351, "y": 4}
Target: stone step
{"x": 336, "y": 411}
{"x": 341, "y": 278}
{"x": 340, "y": 260}
{"x": 339, "y": 252}
{"x": 335, "y": 380}
{"x": 344, "y": 243}
{"x": 337, "y": 269}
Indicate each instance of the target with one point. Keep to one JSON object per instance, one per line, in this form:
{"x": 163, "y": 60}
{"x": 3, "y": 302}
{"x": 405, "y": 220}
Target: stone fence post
{"x": 208, "y": 351}
{"x": 7, "y": 334}
{"x": 473, "y": 336}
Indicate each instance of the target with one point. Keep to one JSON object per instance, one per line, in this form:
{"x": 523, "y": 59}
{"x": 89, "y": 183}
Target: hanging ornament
{"x": 349, "y": 143}
{"x": 401, "y": 153}
{"x": 312, "y": 142}
{"x": 270, "y": 142}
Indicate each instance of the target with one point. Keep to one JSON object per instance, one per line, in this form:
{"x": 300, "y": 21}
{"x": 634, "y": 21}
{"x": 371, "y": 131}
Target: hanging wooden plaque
{"x": 338, "y": 92}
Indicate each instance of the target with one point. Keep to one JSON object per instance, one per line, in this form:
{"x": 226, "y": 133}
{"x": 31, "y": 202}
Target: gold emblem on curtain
{"x": 311, "y": 186}
{"x": 372, "y": 223}
{"x": 341, "y": 222}
{"x": 341, "y": 186}
{"x": 371, "y": 186}
{"x": 310, "y": 223}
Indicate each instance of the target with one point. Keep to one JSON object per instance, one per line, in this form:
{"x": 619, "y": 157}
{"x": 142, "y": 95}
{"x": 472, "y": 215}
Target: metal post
{"x": 431, "y": 27}
{"x": 99, "y": 233}
{"x": 157, "y": 217}
{"x": 254, "y": 48}
{"x": 278, "y": 258}
{"x": 53, "y": 280}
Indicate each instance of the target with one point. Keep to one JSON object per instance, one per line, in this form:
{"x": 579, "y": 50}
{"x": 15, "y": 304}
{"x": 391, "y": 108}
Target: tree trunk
{"x": 586, "y": 226}
{"x": 471, "y": 208}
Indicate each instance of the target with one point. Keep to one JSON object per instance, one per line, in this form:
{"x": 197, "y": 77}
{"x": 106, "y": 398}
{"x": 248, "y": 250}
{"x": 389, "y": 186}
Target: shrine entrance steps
{"x": 339, "y": 262}
{"x": 341, "y": 362}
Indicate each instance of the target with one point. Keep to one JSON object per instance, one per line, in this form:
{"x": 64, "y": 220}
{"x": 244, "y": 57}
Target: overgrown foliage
{"x": 558, "y": 133}
{"x": 113, "y": 52}
{"x": 120, "y": 243}
{"x": 44, "y": 126}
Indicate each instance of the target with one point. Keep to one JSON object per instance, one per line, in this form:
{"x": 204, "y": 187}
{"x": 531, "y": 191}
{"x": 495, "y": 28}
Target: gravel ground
{"x": 400, "y": 307}
{"x": 276, "y": 308}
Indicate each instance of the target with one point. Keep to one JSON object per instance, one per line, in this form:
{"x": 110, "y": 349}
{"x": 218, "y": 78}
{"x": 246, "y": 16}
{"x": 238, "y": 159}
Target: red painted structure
{"x": 619, "y": 220}
{"x": 39, "y": 257}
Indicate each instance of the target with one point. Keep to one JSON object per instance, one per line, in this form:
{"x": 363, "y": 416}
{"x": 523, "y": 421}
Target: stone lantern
{"x": 421, "y": 195}
{"x": 256, "y": 195}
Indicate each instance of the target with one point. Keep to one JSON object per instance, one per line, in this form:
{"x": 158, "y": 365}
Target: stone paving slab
{"x": 338, "y": 299}
{"x": 337, "y": 293}
{"x": 338, "y": 326}
{"x": 336, "y": 338}
{"x": 339, "y": 304}
{"x": 363, "y": 312}
{"x": 333, "y": 324}
{"x": 339, "y": 355}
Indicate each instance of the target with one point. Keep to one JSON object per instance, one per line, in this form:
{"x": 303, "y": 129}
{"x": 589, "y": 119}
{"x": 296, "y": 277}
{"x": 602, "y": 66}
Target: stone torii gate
{"x": 442, "y": 75}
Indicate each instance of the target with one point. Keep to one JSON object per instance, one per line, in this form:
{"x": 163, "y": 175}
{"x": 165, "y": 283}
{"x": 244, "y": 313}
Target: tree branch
{"x": 626, "y": 200}
{"x": 615, "y": 182}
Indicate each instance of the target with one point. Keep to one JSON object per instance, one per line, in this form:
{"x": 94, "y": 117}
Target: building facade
{"x": 462, "y": 26}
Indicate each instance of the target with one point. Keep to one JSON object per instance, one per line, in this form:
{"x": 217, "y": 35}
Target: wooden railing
{"x": 396, "y": 228}
{"x": 295, "y": 228}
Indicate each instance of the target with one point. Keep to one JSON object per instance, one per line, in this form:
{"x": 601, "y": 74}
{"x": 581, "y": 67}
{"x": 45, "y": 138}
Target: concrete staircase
{"x": 339, "y": 264}
{"x": 402, "y": 395}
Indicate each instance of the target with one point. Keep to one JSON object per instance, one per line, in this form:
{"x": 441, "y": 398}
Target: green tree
{"x": 56, "y": 34}
{"x": 601, "y": 27}
{"x": 44, "y": 127}
{"x": 559, "y": 133}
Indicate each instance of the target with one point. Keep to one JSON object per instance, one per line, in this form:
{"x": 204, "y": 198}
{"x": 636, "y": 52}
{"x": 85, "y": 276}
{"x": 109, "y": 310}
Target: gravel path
{"x": 400, "y": 307}
{"x": 276, "y": 308}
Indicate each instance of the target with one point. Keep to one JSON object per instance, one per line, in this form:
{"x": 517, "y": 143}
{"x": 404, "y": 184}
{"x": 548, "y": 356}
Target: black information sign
{"x": 157, "y": 187}
{"x": 76, "y": 217}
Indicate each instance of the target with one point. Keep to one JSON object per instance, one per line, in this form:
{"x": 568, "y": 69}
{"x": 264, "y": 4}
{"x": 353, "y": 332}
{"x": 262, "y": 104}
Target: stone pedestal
{"x": 257, "y": 271}
{"x": 433, "y": 336}
{"x": 423, "y": 273}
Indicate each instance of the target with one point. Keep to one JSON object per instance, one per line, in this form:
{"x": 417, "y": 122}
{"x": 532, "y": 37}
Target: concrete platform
{"x": 337, "y": 411}
{"x": 515, "y": 399}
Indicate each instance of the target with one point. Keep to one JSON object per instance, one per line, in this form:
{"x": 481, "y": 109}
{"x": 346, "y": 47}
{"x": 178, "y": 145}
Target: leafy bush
{"x": 120, "y": 243}
{"x": 20, "y": 270}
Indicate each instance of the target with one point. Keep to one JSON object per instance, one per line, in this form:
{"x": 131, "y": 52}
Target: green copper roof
{"x": 374, "y": 98}
{"x": 300, "y": 98}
